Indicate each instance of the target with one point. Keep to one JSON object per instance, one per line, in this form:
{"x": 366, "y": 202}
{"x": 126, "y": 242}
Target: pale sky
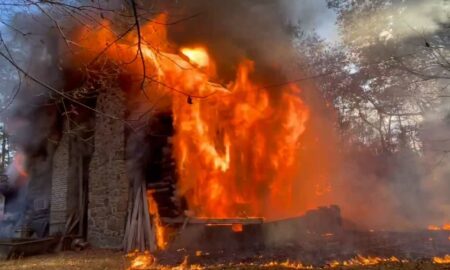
{"x": 313, "y": 15}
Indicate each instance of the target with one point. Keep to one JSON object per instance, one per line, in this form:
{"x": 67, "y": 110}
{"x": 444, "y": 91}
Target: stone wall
{"x": 68, "y": 170}
{"x": 108, "y": 185}
{"x": 60, "y": 183}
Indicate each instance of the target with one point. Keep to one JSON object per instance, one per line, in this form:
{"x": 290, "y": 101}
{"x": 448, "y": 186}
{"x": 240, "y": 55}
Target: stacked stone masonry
{"x": 108, "y": 185}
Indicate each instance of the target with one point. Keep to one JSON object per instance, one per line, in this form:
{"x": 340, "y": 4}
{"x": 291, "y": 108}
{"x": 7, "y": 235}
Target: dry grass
{"x": 111, "y": 260}
{"x": 90, "y": 259}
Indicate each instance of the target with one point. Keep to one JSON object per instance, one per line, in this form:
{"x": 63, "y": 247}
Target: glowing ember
{"x": 442, "y": 260}
{"x": 236, "y": 227}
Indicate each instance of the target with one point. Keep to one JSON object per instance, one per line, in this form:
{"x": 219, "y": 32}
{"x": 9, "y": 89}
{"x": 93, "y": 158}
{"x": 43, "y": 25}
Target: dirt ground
{"x": 113, "y": 260}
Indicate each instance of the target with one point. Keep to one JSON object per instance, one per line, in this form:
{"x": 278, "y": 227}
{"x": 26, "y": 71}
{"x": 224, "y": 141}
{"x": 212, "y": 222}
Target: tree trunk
{"x": 3, "y": 167}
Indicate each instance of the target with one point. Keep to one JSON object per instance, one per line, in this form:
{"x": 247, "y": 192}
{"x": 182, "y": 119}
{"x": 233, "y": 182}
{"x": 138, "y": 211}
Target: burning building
{"x": 158, "y": 134}
{"x": 146, "y": 125}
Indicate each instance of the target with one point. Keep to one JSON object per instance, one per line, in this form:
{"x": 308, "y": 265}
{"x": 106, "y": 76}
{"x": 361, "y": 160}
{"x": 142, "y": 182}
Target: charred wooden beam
{"x": 214, "y": 221}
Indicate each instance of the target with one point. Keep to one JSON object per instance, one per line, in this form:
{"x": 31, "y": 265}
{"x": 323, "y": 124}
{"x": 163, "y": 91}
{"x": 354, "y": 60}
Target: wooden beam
{"x": 215, "y": 221}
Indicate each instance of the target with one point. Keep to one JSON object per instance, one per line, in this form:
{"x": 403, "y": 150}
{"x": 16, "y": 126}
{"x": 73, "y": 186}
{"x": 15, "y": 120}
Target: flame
{"x": 442, "y": 260}
{"x": 197, "y": 56}
{"x": 445, "y": 227}
{"x": 361, "y": 260}
{"x": 236, "y": 153}
{"x": 238, "y": 148}
{"x": 18, "y": 170}
{"x": 140, "y": 261}
{"x": 145, "y": 261}
{"x": 286, "y": 264}
{"x": 19, "y": 162}
{"x": 433, "y": 228}
{"x": 160, "y": 230}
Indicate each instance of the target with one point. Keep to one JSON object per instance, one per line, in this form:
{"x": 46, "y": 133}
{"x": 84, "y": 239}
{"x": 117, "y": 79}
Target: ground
{"x": 113, "y": 260}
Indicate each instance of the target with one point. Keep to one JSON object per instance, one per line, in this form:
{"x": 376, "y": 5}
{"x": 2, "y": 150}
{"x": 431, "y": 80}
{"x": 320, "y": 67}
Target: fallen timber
{"x": 17, "y": 248}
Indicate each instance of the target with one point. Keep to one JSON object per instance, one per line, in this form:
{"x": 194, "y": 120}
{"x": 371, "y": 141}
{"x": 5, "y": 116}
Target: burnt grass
{"x": 114, "y": 260}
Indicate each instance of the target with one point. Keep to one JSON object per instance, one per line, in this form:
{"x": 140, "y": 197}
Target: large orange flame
{"x": 237, "y": 147}
{"x": 237, "y": 153}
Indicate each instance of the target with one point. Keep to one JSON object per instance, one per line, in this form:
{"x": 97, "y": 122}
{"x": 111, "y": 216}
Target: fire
{"x": 442, "y": 260}
{"x": 145, "y": 261}
{"x": 361, "y": 260}
{"x": 197, "y": 56}
{"x": 19, "y": 164}
{"x": 286, "y": 264}
{"x": 140, "y": 261}
{"x": 236, "y": 153}
{"x": 445, "y": 227}
{"x": 238, "y": 147}
{"x": 236, "y": 227}
{"x": 18, "y": 169}
{"x": 433, "y": 228}
{"x": 160, "y": 231}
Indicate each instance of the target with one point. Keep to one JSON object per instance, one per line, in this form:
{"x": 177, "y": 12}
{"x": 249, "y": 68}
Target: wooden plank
{"x": 219, "y": 221}
{"x": 158, "y": 185}
{"x": 128, "y": 224}
{"x": 158, "y": 190}
{"x": 214, "y": 221}
{"x": 131, "y": 234}
{"x": 139, "y": 244}
{"x": 148, "y": 226}
{"x": 80, "y": 195}
{"x": 135, "y": 235}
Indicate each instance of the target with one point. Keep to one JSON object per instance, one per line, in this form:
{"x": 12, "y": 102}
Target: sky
{"x": 313, "y": 15}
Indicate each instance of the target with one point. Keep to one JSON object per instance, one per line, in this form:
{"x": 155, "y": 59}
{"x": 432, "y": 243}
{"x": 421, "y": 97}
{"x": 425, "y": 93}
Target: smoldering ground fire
{"x": 168, "y": 139}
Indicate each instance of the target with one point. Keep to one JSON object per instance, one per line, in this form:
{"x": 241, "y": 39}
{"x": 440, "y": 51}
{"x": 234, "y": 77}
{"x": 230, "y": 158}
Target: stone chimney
{"x": 108, "y": 184}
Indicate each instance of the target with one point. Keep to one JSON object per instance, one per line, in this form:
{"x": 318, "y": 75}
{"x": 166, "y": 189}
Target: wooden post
{"x": 131, "y": 232}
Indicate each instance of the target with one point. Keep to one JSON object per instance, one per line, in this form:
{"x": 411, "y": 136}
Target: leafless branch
{"x": 19, "y": 85}
{"x": 139, "y": 45}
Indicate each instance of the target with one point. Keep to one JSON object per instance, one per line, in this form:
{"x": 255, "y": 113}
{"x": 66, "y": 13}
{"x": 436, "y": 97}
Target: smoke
{"x": 400, "y": 20}
{"x": 420, "y": 17}
{"x": 261, "y": 30}
{"x": 313, "y": 16}
{"x": 29, "y": 117}
{"x": 404, "y": 190}
{"x": 258, "y": 30}
{"x": 434, "y": 134}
